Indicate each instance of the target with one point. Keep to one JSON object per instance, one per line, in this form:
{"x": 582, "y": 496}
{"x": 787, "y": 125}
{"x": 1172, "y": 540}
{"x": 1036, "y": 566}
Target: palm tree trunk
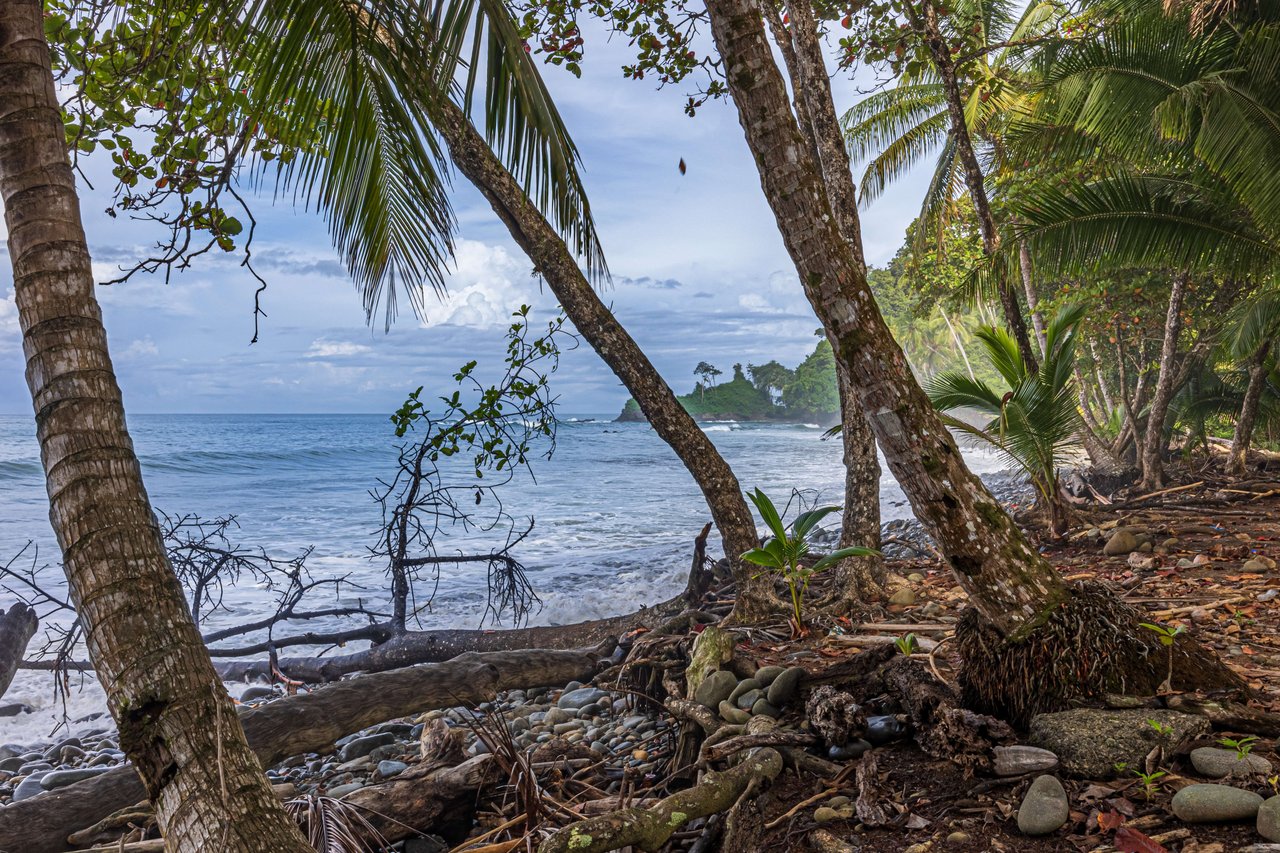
{"x": 1010, "y": 583}
{"x": 1243, "y": 436}
{"x": 955, "y": 336}
{"x": 1153, "y": 443}
{"x": 1033, "y": 301}
{"x": 973, "y": 178}
{"x": 1103, "y": 390}
{"x": 176, "y": 722}
{"x": 860, "y": 577}
{"x": 593, "y": 320}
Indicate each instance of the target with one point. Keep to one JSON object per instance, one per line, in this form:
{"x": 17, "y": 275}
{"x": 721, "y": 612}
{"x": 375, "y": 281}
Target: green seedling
{"x": 907, "y": 645}
{"x": 1161, "y": 729}
{"x": 1242, "y": 746}
{"x": 1167, "y": 636}
{"x": 1149, "y": 781}
{"x": 782, "y": 554}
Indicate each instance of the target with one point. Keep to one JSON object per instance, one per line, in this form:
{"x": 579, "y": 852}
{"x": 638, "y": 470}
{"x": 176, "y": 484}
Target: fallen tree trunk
{"x": 417, "y": 647}
{"x": 309, "y": 722}
{"x": 648, "y": 829}
{"x": 16, "y": 629}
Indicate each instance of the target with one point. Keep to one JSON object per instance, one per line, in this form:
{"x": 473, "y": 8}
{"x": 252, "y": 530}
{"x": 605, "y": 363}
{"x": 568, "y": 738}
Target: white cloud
{"x": 322, "y": 348}
{"x": 487, "y": 284}
{"x": 140, "y": 348}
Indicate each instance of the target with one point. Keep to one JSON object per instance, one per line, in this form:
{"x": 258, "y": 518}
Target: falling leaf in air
{"x": 683, "y": 167}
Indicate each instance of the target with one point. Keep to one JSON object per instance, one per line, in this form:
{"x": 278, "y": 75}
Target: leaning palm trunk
{"x": 1024, "y": 608}
{"x": 1154, "y": 443}
{"x": 176, "y": 722}
{"x": 593, "y": 320}
{"x": 1243, "y": 437}
{"x": 944, "y": 65}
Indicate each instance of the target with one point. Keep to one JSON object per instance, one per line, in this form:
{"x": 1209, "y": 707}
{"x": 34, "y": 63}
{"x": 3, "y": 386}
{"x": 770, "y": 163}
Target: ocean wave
{"x": 18, "y": 470}
{"x": 717, "y": 428}
{"x": 811, "y": 426}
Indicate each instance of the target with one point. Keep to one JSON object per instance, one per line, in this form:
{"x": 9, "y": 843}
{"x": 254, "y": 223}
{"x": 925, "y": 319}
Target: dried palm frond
{"x": 334, "y": 826}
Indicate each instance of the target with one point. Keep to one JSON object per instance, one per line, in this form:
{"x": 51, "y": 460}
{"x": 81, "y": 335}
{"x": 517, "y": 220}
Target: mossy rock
{"x": 1089, "y": 742}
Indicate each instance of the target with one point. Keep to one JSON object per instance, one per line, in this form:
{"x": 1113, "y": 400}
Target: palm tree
{"x": 1185, "y": 127}
{"x": 1254, "y": 332}
{"x": 1017, "y": 595}
{"x": 176, "y": 722}
{"x": 1034, "y": 418}
{"x": 952, "y": 106}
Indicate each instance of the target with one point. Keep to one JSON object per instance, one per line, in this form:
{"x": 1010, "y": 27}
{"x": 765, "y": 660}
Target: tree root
{"x": 1089, "y": 645}
{"x": 650, "y": 828}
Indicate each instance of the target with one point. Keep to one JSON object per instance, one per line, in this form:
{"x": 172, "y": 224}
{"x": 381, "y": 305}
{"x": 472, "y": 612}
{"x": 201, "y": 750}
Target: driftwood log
{"x": 16, "y": 629}
{"x": 648, "y": 829}
{"x": 294, "y": 725}
{"x": 417, "y": 647}
{"x": 413, "y": 802}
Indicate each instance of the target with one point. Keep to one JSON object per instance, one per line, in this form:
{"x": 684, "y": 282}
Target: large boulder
{"x": 1090, "y": 742}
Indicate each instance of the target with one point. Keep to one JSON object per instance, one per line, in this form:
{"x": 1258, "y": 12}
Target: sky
{"x": 699, "y": 274}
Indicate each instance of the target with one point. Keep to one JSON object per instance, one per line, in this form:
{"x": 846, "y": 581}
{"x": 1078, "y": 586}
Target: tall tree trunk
{"x": 973, "y": 178}
{"x": 1243, "y": 436}
{"x": 176, "y": 722}
{"x": 860, "y": 521}
{"x": 955, "y": 337}
{"x": 1103, "y": 390}
{"x": 1006, "y": 578}
{"x": 1027, "y": 614}
{"x": 593, "y": 320}
{"x": 1153, "y": 443}
{"x": 1033, "y": 300}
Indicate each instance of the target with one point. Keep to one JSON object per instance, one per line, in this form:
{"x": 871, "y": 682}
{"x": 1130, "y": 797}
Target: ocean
{"x": 614, "y": 512}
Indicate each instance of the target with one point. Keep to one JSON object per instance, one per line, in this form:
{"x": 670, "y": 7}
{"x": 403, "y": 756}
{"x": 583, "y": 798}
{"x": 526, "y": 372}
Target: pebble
{"x": 783, "y": 687}
{"x": 730, "y": 714}
{"x": 343, "y": 790}
{"x": 1016, "y": 760}
{"x": 1213, "y": 803}
{"x": 851, "y": 750}
{"x": 387, "y": 769}
{"x": 59, "y": 778}
{"x": 904, "y": 597}
{"x": 257, "y": 691}
{"x": 28, "y": 787}
{"x": 715, "y": 688}
{"x": 825, "y": 814}
{"x": 1121, "y": 542}
{"x": 556, "y": 716}
{"x": 1045, "y": 808}
{"x": 581, "y": 697}
{"x": 1226, "y": 763}
{"x": 763, "y": 708}
{"x": 766, "y": 674}
{"x": 1269, "y": 819}
{"x": 362, "y": 746}
{"x": 883, "y": 729}
{"x": 958, "y": 838}
{"x": 746, "y": 685}
{"x": 748, "y": 699}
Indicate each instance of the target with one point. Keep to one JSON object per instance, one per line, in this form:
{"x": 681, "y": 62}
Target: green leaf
{"x": 844, "y": 553}
{"x": 762, "y": 557}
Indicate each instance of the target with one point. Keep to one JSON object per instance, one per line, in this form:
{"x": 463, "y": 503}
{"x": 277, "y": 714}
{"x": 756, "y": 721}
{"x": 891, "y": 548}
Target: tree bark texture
{"x": 615, "y": 346}
{"x": 1154, "y": 444}
{"x": 309, "y": 722}
{"x": 860, "y": 577}
{"x": 973, "y": 178}
{"x": 1243, "y": 436}
{"x": 1001, "y": 572}
{"x": 16, "y": 629}
{"x": 176, "y": 722}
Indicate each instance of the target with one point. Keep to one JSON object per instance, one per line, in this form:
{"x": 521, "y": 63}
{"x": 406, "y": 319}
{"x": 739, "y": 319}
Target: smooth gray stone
{"x": 343, "y": 790}
{"x": 763, "y": 707}
{"x": 1016, "y": 760}
{"x": 715, "y": 688}
{"x": 1045, "y": 808}
{"x": 784, "y": 686}
{"x": 29, "y": 787}
{"x": 746, "y": 700}
{"x": 13, "y": 709}
{"x": 576, "y": 699}
{"x": 1225, "y": 763}
{"x": 766, "y": 674}
{"x": 730, "y": 714}
{"x": 852, "y": 749}
{"x": 1215, "y": 803}
{"x": 364, "y": 745}
{"x": 59, "y": 778}
{"x": 1269, "y": 819}
{"x": 391, "y": 768}
{"x": 746, "y": 685}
